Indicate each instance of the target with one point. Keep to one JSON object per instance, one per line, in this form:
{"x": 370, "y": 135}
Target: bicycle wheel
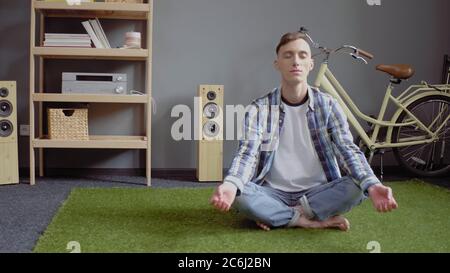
{"x": 429, "y": 159}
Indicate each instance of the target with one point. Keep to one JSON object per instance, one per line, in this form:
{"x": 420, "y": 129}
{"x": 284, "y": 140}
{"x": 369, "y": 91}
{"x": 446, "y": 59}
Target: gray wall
{"x": 232, "y": 43}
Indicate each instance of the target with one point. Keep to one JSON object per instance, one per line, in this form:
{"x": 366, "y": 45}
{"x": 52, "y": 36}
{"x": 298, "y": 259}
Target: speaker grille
{"x": 6, "y": 128}
{"x": 211, "y": 95}
{"x": 211, "y": 110}
{"x": 4, "y": 92}
{"x": 6, "y": 108}
{"x": 211, "y": 129}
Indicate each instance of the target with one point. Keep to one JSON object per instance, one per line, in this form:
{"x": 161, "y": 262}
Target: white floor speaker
{"x": 210, "y": 146}
{"x": 9, "y": 162}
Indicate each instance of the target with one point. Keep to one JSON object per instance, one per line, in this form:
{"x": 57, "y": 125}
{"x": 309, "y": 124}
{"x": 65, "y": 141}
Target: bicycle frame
{"x": 327, "y": 82}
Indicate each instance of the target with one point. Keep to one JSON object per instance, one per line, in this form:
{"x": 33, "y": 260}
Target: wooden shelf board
{"x": 94, "y": 142}
{"x": 97, "y": 9}
{"x": 91, "y": 53}
{"x": 95, "y": 98}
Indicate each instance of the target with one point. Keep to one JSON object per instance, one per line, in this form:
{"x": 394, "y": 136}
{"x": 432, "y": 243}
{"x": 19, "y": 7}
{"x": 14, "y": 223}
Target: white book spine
{"x": 97, "y": 33}
{"x": 72, "y": 44}
{"x": 91, "y": 33}
{"x": 66, "y": 36}
{"x": 78, "y": 46}
{"x": 68, "y": 40}
{"x": 103, "y": 33}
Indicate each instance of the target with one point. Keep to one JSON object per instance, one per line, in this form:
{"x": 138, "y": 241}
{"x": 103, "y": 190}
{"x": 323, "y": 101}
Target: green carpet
{"x": 181, "y": 220}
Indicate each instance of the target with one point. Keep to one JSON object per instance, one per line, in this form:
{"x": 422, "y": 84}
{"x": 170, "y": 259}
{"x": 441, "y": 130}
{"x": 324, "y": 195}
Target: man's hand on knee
{"x": 382, "y": 198}
{"x": 224, "y": 196}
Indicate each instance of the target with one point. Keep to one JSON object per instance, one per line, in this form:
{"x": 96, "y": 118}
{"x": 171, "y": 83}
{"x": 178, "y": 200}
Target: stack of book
{"x": 95, "y": 31}
{"x": 67, "y": 40}
{"x": 71, "y": 2}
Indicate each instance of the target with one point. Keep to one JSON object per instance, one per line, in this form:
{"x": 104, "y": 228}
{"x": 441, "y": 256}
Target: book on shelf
{"x": 73, "y": 2}
{"x": 97, "y": 25}
{"x": 67, "y": 40}
{"x": 67, "y": 45}
{"x": 92, "y": 35}
{"x": 66, "y": 35}
{"x": 96, "y": 33}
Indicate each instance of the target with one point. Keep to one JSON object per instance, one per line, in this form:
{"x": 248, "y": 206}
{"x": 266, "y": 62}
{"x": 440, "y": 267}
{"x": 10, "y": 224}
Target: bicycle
{"x": 417, "y": 132}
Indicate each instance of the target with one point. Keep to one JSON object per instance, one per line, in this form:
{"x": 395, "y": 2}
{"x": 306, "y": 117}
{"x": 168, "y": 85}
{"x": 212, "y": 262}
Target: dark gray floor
{"x": 26, "y": 211}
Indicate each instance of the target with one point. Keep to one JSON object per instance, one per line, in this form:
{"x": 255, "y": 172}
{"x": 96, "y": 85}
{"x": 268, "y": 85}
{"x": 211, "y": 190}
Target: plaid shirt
{"x": 329, "y": 131}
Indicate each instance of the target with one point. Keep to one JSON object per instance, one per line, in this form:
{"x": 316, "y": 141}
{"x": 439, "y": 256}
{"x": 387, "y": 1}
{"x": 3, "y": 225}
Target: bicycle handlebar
{"x": 357, "y": 52}
{"x": 364, "y": 53}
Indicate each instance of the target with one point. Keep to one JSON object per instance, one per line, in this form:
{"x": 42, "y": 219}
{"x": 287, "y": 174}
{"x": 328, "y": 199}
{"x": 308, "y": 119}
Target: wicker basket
{"x": 69, "y": 124}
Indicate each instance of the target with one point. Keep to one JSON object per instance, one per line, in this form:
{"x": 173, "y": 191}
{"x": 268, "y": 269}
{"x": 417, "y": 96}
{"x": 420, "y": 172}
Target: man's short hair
{"x": 289, "y": 37}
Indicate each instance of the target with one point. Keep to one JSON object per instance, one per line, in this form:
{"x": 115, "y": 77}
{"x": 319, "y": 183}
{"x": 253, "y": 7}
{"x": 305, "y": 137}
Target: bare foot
{"x": 339, "y": 222}
{"x": 263, "y": 226}
{"x": 306, "y": 223}
{"x": 334, "y": 222}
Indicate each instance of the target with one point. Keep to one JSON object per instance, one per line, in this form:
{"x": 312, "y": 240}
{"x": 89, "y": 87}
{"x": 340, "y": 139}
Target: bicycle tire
{"x": 399, "y": 153}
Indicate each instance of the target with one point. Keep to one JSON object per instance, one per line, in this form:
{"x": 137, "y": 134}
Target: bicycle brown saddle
{"x": 398, "y": 71}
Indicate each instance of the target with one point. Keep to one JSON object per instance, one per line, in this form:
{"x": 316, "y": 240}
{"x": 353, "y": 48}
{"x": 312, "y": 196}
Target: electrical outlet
{"x": 24, "y": 130}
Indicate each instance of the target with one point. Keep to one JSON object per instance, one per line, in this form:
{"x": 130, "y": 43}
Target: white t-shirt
{"x": 296, "y": 166}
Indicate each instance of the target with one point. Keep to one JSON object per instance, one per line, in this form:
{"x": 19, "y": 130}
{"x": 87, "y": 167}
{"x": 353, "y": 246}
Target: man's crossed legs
{"x": 318, "y": 207}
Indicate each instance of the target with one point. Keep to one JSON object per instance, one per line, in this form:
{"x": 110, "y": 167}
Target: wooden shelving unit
{"x": 95, "y": 142}
{"x": 54, "y": 97}
{"x": 126, "y": 11}
{"x": 91, "y": 53}
{"x": 122, "y": 11}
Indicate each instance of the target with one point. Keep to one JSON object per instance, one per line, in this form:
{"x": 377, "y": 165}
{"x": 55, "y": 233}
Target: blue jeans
{"x": 276, "y": 208}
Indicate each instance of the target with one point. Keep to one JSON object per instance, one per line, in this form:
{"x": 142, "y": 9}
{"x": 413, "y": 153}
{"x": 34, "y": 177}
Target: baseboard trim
{"x": 187, "y": 174}
{"x": 176, "y": 174}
